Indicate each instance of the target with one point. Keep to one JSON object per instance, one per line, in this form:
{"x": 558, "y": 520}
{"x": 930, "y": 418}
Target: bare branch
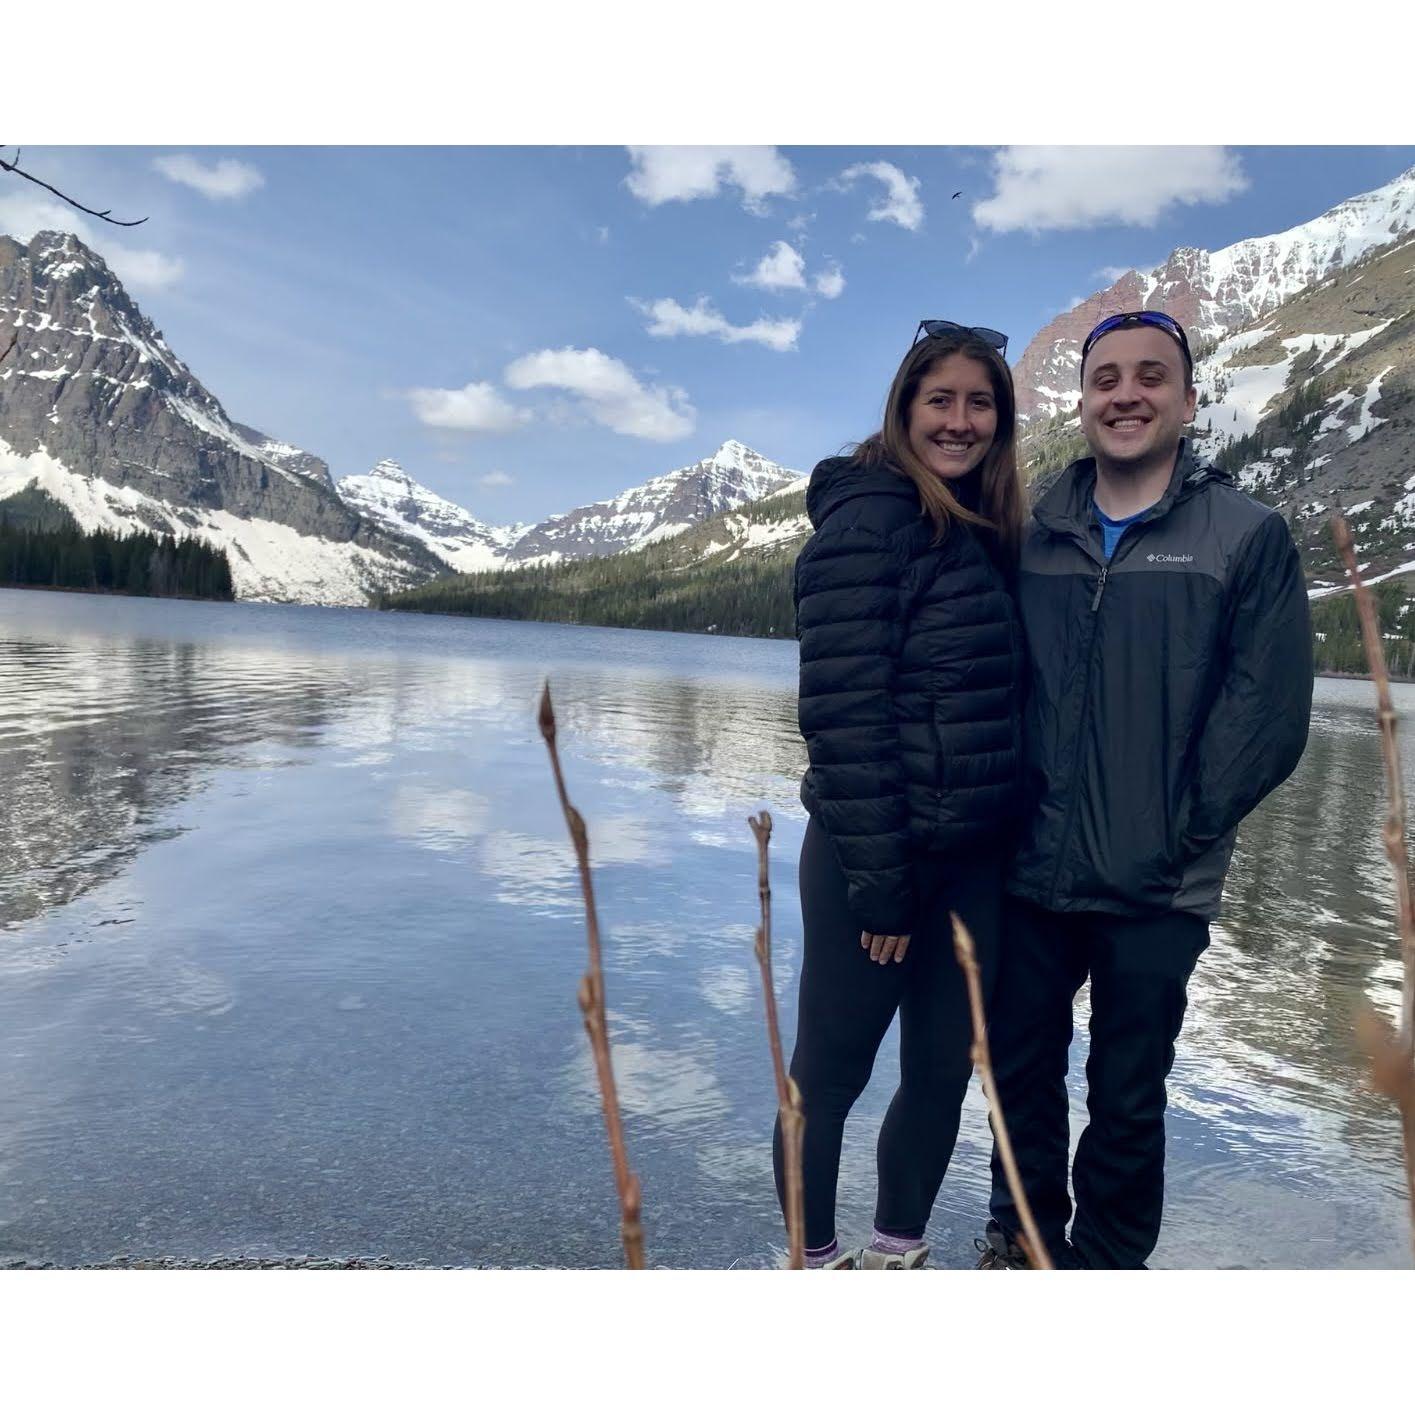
{"x": 30, "y": 177}
{"x": 1037, "y": 1254}
{"x": 788, "y": 1098}
{"x": 1392, "y": 1054}
{"x": 591, "y": 996}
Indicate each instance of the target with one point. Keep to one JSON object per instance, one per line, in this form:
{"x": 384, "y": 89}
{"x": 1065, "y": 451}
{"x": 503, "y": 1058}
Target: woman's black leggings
{"x": 846, "y": 1006}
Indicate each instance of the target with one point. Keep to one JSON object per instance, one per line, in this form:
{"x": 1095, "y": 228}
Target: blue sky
{"x": 528, "y": 329}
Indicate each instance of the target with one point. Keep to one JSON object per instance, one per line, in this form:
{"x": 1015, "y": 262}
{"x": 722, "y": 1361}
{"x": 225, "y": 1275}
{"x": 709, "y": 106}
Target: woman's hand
{"x": 884, "y": 946}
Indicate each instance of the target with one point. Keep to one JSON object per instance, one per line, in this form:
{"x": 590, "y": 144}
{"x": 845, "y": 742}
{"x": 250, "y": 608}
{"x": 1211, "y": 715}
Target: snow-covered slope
{"x": 1213, "y": 293}
{"x": 663, "y": 507}
{"x": 98, "y": 412}
{"x": 658, "y": 510}
{"x": 1314, "y": 406}
{"x": 391, "y": 497}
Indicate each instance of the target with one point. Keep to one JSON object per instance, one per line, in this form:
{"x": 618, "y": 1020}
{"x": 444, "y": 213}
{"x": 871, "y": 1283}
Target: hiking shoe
{"x": 844, "y": 1261}
{"x": 999, "y": 1252}
{"x": 874, "y": 1259}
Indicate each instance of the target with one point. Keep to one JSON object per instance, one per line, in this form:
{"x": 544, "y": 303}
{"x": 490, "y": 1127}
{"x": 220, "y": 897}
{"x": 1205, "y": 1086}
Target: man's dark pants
{"x": 1138, "y": 969}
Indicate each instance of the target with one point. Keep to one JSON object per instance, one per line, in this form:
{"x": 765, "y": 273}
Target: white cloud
{"x": 781, "y": 268}
{"x": 144, "y": 271}
{"x": 663, "y": 174}
{"x": 226, "y": 180}
{"x": 23, "y": 215}
{"x": 494, "y": 479}
{"x": 475, "y": 407}
{"x": 602, "y": 232}
{"x": 1070, "y": 188}
{"x": 667, "y": 319}
{"x": 1111, "y": 273}
{"x": 608, "y": 392}
{"x": 900, "y": 202}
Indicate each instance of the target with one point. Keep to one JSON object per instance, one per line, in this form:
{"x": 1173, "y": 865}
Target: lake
{"x": 290, "y": 937}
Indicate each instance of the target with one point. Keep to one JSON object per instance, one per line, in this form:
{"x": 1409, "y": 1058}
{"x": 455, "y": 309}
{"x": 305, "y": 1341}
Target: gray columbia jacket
{"x": 1169, "y": 691}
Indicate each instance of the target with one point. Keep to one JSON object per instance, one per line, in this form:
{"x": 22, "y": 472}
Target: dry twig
{"x": 1036, "y": 1250}
{"x": 591, "y": 997}
{"x": 1392, "y": 1053}
{"x": 30, "y": 177}
{"x": 788, "y": 1098}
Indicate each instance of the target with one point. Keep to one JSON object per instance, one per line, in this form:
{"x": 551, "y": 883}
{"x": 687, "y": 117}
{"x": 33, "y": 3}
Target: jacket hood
{"x": 840, "y": 479}
{"x": 1066, "y": 505}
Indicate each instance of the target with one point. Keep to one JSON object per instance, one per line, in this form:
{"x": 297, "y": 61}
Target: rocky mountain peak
{"x": 98, "y": 413}
{"x": 1213, "y": 293}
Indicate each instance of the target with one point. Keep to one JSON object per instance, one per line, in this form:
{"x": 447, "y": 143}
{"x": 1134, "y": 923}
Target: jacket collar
{"x": 1065, "y": 508}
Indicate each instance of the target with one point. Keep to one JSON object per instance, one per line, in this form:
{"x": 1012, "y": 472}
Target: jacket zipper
{"x": 1085, "y": 715}
{"x": 1100, "y": 589}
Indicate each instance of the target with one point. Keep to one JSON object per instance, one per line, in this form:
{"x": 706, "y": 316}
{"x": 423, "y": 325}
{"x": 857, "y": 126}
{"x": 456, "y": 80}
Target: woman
{"x": 911, "y": 663}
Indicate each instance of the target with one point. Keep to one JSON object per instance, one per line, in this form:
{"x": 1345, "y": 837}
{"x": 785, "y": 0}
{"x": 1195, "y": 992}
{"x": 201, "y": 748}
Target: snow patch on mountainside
{"x": 1368, "y": 420}
{"x": 1239, "y": 396}
{"x": 661, "y": 508}
{"x": 394, "y": 499}
{"x": 759, "y": 535}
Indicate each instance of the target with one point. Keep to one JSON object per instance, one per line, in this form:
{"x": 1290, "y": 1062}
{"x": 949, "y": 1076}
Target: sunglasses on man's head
{"x": 1157, "y": 319}
{"x": 941, "y": 328}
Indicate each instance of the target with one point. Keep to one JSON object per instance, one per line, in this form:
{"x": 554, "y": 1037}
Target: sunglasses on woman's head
{"x": 1157, "y": 319}
{"x": 941, "y": 328}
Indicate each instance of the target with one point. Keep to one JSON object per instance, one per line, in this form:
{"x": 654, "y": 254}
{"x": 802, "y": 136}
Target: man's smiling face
{"x": 1136, "y": 397}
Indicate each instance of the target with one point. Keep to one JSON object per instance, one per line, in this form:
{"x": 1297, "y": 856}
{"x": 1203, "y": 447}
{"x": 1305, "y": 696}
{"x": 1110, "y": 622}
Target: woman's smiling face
{"x": 952, "y": 420}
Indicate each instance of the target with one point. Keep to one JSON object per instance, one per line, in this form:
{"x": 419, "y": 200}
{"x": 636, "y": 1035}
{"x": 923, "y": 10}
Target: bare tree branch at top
{"x": 30, "y": 177}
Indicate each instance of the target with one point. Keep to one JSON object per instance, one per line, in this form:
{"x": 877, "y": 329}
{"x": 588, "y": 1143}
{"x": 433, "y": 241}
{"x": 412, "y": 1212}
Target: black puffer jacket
{"x": 1170, "y": 691}
{"x": 911, "y": 661}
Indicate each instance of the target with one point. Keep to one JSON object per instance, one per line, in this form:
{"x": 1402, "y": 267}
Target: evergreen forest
{"x": 67, "y": 558}
{"x": 749, "y": 596}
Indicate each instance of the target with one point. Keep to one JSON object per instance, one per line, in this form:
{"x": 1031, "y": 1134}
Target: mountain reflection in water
{"x": 292, "y": 932}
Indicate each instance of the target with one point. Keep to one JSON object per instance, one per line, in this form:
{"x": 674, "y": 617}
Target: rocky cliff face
{"x": 98, "y": 412}
{"x": 1313, "y": 406}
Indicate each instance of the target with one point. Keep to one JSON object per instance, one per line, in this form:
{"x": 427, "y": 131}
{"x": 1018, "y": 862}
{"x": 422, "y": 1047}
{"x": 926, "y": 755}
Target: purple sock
{"x": 893, "y": 1243}
{"x": 819, "y": 1257}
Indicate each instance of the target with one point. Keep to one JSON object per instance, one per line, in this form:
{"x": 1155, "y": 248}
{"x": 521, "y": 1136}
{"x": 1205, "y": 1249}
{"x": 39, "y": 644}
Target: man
{"x": 1170, "y": 689}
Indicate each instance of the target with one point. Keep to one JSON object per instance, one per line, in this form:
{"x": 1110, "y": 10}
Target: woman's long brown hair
{"x": 1002, "y": 504}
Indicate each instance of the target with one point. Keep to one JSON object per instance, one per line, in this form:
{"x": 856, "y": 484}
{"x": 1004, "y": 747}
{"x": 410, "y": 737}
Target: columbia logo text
{"x": 1171, "y": 559}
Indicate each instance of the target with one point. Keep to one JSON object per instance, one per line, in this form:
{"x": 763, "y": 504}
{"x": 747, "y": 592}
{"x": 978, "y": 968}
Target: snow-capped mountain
{"x": 659, "y": 509}
{"x": 774, "y": 524}
{"x": 391, "y": 497}
{"x": 1313, "y": 406}
{"x": 663, "y": 507}
{"x": 98, "y": 413}
{"x": 1213, "y": 293}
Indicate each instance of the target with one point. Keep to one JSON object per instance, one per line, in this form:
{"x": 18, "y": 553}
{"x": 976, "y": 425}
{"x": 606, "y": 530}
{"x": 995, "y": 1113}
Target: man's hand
{"x": 883, "y": 947}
